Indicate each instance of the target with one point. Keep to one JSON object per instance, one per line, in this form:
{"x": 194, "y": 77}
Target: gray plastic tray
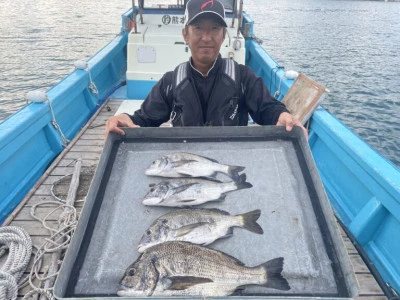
{"x": 296, "y": 217}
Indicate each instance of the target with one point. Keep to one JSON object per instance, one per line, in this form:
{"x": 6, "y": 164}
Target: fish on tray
{"x": 185, "y": 269}
{"x": 198, "y": 226}
{"x": 190, "y": 165}
{"x": 191, "y": 191}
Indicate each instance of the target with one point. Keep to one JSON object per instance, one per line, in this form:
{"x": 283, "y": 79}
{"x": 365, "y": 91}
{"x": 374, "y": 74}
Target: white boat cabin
{"x": 156, "y": 44}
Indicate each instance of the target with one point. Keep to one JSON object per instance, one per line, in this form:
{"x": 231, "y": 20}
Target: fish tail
{"x": 233, "y": 172}
{"x": 275, "y": 278}
{"x": 250, "y": 221}
{"x": 241, "y": 182}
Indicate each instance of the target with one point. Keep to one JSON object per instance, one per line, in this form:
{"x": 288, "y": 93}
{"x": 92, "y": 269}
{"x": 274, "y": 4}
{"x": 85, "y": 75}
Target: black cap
{"x": 197, "y": 8}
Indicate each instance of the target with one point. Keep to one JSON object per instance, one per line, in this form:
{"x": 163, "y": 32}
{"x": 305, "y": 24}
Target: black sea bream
{"x": 185, "y": 269}
{"x": 198, "y": 226}
{"x": 190, "y": 165}
{"x": 191, "y": 191}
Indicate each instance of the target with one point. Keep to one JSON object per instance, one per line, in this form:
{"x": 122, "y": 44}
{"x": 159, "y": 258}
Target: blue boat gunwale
{"x": 375, "y": 224}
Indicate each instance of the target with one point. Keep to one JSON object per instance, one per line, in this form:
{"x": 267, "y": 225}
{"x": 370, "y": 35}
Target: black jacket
{"x": 213, "y": 100}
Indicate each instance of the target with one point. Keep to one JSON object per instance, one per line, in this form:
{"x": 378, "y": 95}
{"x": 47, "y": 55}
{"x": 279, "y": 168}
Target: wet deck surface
{"x": 88, "y": 147}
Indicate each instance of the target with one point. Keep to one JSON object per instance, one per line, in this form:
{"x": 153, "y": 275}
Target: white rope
{"x": 39, "y": 96}
{"x": 56, "y": 126}
{"x": 92, "y": 86}
{"x": 19, "y": 245}
{"x": 89, "y": 170}
{"x": 58, "y": 241}
{"x": 83, "y": 65}
{"x": 60, "y": 236}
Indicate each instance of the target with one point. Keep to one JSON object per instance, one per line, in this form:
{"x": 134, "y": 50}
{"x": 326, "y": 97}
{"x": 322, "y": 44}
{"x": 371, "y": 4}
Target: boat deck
{"x": 87, "y": 147}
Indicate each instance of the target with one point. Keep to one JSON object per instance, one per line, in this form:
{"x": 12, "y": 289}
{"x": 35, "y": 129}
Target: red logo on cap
{"x": 206, "y": 3}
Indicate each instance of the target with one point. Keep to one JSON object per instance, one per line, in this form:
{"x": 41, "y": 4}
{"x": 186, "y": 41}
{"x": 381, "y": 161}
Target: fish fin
{"x": 222, "y": 198}
{"x": 179, "y": 163}
{"x": 185, "y": 174}
{"x": 211, "y": 178}
{"x": 185, "y": 282}
{"x": 233, "y": 172}
{"x": 186, "y": 202}
{"x": 275, "y": 279}
{"x": 217, "y": 210}
{"x": 208, "y": 158}
{"x": 241, "y": 182}
{"x": 188, "y": 228}
{"x": 228, "y": 234}
{"x": 181, "y": 188}
{"x": 250, "y": 221}
{"x": 238, "y": 291}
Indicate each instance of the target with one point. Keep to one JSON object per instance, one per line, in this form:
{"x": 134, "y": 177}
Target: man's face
{"x": 204, "y": 37}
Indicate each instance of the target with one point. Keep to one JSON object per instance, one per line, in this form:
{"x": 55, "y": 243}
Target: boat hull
{"x": 362, "y": 186}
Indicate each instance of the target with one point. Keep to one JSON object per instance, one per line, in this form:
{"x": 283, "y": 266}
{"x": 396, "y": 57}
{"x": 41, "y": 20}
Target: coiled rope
{"x": 19, "y": 245}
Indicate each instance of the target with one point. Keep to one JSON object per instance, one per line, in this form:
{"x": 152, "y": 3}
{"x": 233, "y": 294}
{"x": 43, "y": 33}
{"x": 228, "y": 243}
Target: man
{"x": 208, "y": 90}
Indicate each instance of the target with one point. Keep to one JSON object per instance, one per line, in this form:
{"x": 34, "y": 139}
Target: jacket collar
{"x": 213, "y": 69}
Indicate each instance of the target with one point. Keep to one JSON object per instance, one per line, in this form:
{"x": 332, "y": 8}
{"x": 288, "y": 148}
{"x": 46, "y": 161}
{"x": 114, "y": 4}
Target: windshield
{"x": 179, "y": 4}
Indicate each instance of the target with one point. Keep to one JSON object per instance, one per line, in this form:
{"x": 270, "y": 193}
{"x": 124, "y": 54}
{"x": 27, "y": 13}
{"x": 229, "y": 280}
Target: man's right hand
{"x": 114, "y": 123}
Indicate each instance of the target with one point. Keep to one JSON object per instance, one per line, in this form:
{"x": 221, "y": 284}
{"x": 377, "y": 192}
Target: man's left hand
{"x": 288, "y": 120}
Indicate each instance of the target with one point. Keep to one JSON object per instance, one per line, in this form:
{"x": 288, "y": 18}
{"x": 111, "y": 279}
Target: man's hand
{"x": 288, "y": 120}
{"x": 113, "y": 124}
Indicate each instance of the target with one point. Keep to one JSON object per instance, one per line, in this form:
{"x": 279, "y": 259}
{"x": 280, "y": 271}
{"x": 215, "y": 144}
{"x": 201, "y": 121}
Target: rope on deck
{"x": 19, "y": 245}
{"x": 58, "y": 241}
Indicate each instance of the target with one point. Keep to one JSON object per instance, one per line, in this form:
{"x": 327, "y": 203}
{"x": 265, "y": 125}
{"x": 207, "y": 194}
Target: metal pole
{"x": 234, "y": 12}
{"x": 141, "y": 4}
{"x": 134, "y": 15}
{"x": 240, "y": 17}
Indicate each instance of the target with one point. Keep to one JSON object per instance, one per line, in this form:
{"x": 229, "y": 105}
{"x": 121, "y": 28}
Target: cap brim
{"x": 210, "y": 15}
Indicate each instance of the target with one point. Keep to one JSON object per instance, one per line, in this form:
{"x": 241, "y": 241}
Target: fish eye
{"x": 148, "y": 232}
{"x": 165, "y": 221}
{"x": 131, "y": 272}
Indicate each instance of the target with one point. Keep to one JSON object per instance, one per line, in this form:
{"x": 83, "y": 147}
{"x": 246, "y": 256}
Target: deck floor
{"x": 88, "y": 147}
